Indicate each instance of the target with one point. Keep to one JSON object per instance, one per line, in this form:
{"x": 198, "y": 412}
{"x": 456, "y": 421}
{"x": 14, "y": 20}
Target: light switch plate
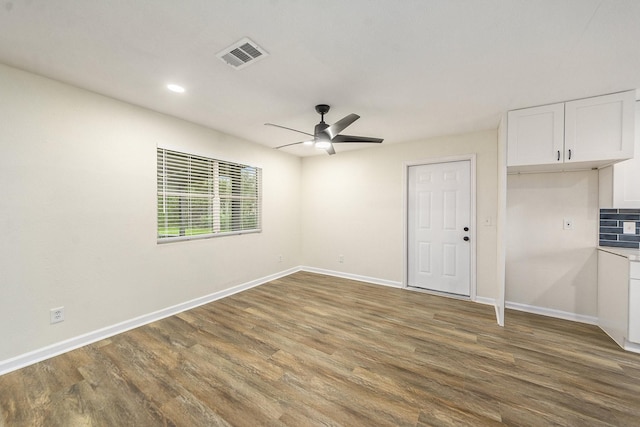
{"x": 629, "y": 227}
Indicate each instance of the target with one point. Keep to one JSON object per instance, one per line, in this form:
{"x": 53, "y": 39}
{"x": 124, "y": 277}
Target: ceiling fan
{"x": 324, "y": 135}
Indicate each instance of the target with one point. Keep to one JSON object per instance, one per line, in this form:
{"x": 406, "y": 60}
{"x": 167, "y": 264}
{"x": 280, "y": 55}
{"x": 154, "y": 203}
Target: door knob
{"x": 466, "y": 238}
{"x": 466, "y": 229}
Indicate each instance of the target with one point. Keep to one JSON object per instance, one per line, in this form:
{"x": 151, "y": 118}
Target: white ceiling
{"x": 412, "y": 69}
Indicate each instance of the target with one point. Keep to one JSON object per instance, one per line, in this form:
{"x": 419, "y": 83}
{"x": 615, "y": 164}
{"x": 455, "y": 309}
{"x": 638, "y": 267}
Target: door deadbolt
{"x": 466, "y": 229}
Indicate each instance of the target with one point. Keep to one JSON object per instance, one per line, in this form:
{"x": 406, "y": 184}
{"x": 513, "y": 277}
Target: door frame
{"x": 474, "y": 223}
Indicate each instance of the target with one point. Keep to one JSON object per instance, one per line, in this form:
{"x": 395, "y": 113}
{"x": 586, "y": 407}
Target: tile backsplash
{"x": 611, "y": 223}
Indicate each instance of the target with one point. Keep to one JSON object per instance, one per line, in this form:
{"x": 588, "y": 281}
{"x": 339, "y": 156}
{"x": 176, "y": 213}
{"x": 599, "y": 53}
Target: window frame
{"x": 192, "y": 197}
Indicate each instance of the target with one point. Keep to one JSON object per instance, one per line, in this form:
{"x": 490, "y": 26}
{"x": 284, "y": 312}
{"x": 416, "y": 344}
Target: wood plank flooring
{"x": 312, "y": 350}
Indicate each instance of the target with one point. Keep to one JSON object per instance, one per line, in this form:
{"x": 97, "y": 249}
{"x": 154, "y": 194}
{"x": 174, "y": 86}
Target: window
{"x": 200, "y": 197}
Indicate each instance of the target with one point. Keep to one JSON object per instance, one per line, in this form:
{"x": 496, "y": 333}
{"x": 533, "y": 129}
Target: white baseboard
{"x": 58, "y": 348}
{"x": 633, "y": 347}
{"x": 592, "y": 320}
{"x": 493, "y": 302}
{"x": 357, "y": 277}
{"x": 393, "y": 284}
{"x": 485, "y": 300}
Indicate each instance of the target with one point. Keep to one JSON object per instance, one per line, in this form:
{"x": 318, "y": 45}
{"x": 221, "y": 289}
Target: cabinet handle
{"x": 569, "y": 153}
{"x": 558, "y": 155}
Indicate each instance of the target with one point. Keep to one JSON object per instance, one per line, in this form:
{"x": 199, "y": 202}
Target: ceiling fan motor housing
{"x": 319, "y": 130}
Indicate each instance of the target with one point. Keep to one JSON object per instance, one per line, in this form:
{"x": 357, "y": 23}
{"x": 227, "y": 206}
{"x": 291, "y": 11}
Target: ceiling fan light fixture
{"x": 323, "y": 145}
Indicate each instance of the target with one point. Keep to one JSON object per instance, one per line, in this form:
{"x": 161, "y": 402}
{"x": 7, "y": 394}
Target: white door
{"x": 438, "y": 226}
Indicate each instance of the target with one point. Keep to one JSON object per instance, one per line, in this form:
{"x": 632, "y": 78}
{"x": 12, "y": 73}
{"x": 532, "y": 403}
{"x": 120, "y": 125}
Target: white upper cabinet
{"x": 535, "y": 136}
{"x": 619, "y": 184}
{"x": 581, "y": 134}
{"x": 600, "y": 128}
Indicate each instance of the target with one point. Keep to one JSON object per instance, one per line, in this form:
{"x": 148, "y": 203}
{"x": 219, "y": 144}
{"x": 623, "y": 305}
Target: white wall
{"x": 352, "y": 205}
{"x": 547, "y": 267}
{"x": 78, "y": 214}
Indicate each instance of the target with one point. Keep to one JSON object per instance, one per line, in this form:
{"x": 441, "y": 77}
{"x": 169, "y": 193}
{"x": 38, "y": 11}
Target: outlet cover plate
{"x": 57, "y": 315}
{"x": 628, "y": 227}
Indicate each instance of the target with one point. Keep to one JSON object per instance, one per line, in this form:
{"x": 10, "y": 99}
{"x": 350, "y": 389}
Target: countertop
{"x": 632, "y": 254}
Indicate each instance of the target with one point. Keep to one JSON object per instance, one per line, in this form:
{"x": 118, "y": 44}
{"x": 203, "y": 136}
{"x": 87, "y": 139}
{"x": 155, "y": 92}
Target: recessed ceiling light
{"x": 175, "y": 88}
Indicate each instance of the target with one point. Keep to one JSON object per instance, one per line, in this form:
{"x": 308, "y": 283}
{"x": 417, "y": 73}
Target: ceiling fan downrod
{"x": 321, "y": 109}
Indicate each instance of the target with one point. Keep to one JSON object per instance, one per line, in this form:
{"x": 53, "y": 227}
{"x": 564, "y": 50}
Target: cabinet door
{"x": 600, "y": 128}
{"x": 613, "y": 295}
{"x": 535, "y": 135}
{"x": 626, "y": 175}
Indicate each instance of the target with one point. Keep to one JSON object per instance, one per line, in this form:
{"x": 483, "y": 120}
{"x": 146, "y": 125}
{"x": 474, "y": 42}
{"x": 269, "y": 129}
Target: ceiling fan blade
{"x": 287, "y": 145}
{"x": 330, "y": 150}
{"x": 341, "y": 125}
{"x": 351, "y": 138}
{"x": 284, "y": 127}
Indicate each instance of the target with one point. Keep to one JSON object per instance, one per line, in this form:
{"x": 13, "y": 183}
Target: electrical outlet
{"x": 280, "y": 258}
{"x": 629, "y": 227}
{"x": 341, "y": 259}
{"x": 57, "y": 315}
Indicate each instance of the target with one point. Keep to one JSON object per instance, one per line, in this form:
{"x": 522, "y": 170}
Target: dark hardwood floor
{"x": 309, "y": 350}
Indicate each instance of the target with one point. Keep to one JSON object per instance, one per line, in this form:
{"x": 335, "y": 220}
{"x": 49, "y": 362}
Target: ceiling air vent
{"x": 243, "y": 53}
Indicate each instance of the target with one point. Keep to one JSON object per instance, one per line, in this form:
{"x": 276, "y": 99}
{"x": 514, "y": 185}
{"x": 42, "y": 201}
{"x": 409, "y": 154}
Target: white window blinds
{"x": 201, "y": 197}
